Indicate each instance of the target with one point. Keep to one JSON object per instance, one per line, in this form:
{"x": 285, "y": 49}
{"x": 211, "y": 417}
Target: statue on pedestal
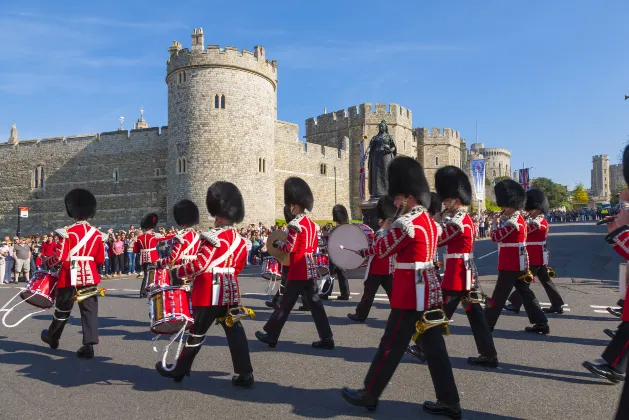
{"x": 13, "y": 139}
{"x": 380, "y": 153}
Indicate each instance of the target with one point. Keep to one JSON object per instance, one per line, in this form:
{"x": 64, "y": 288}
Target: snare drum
{"x": 322, "y": 263}
{"x": 40, "y": 290}
{"x": 158, "y": 278}
{"x": 170, "y": 308}
{"x": 271, "y": 268}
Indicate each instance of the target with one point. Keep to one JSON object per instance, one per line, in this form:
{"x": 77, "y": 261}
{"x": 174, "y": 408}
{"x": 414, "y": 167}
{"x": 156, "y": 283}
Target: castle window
{"x": 262, "y": 165}
{"x": 323, "y": 150}
{"x": 223, "y": 102}
{"x": 116, "y": 175}
{"x": 494, "y": 172}
{"x": 323, "y": 169}
{"x": 216, "y": 104}
{"x": 305, "y": 147}
{"x": 339, "y": 153}
{"x": 437, "y": 160}
{"x": 157, "y": 172}
{"x": 184, "y": 76}
{"x": 181, "y": 166}
{"x": 38, "y": 177}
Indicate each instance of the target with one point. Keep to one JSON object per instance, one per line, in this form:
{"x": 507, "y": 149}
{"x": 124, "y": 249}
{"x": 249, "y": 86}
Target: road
{"x": 539, "y": 376}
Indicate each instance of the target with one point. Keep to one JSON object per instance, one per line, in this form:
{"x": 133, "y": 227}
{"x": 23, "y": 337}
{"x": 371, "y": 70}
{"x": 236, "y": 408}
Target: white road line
{"x": 381, "y": 300}
{"x": 353, "y": 294}
{"x": 548, "y": 304}
{"x": 604, "y": 307}
{"x": 381, "y": 294}
{"x": 254, "y": 294}
{"x": 600, "y": 311}
{"x": 130, "y": 290}
{"x": 487, "y": 255}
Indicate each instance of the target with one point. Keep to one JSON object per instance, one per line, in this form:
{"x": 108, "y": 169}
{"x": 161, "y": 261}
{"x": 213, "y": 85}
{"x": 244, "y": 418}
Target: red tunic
{"x": 458, "y": 237}
{"x": 301, "y": 244}
{"x": 48, "y": 249}
{"x": 619, "y": 239}
{"x": 221, "y": 257}
{"x": 86, "y": 258}
{"x": 185, "y": 248}
{"x": 146, "y": 246}
{"x": 536, "y": 234}
{"x": 413, "y": 240}
{"x": 511, "y": 241}
{"x": 377, "y": 265}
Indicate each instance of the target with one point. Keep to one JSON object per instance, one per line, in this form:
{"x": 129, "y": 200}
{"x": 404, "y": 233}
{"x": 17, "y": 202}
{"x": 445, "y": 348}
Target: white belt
{"x": 416, "y": 266}
{"x": 80, "y": 258}
{"x": 511, "y": 245}
{"x": 465, "y": 255}
{"x": 145, "y": 251}
{"x": 223, "y": 270}
{"x": 189, "y": 257}
{"x": 536, "y": 243}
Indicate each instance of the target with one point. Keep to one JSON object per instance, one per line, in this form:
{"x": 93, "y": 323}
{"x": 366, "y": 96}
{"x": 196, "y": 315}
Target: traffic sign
{"x": 24, "y": 212}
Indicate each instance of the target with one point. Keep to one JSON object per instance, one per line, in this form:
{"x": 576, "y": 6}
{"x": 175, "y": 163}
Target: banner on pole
{"x": 478, "y": 177}
{"x": 525, "y": 179}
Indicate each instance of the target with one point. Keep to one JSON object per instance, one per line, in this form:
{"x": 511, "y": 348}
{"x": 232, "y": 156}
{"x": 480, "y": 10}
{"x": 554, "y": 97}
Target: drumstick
{"x": 347, "y": 249}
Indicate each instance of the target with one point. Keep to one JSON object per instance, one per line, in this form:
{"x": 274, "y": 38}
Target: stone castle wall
{"x": 498, "y": 162}
{"x": 437, "y": 148}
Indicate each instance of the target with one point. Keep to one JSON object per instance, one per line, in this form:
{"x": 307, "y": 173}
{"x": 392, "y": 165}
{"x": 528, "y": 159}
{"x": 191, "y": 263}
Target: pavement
{"x": 539, "y": 376}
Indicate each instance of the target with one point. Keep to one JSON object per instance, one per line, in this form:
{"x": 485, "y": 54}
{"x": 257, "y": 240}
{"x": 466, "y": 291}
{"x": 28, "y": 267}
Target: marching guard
{"x": 186, "y": 243}
{"x": 221, "y": 257}
{"x": 79, "y": 252}
{"x": 513, "y": 262}
{"x": 537, "y": 233}
{"x": 412, "y": 238}
{"x": 302, "y": 273}
{"x": 379, "y": 271}
{"x": 340, "y": 216}
{"x": 146, "y": 246}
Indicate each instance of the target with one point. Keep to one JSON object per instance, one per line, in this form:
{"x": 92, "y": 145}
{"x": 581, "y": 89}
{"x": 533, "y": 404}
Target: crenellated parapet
{"x": 446, "y": 134}
{"x": 495, "y": 151}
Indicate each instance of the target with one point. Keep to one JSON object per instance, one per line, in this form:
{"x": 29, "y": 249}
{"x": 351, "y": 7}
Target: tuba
{"x": 233, "y": 316}
{"x": 88, "y": 292}
{"x": 424, "y": 324}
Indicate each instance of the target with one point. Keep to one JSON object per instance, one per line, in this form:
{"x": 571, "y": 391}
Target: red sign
{"x": 24, "y": 212}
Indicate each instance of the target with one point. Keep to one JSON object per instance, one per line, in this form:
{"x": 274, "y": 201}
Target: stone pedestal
{"x": 370, "y": 216}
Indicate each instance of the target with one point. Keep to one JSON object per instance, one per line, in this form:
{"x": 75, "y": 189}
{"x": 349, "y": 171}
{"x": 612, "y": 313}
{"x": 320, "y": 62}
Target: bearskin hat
{"x": 536, "y": 199}
{"x": 297, "y": 192}
{"x": 339, "y": 214}
{"x": 625, "y": 164}
{"x": 288, "y": 216}
{"x": 510, "y": 194}
{"x": 435, "y": 204}
{"x": 186, "y": 213}
{"x": 406, "y": 177}
{"x": 149, "y": 221}
{"x": 452, "y": 182}
{"x": 80, "y": 204}
{"x": 385, "y": 209}
{"x": 225, "y": 200}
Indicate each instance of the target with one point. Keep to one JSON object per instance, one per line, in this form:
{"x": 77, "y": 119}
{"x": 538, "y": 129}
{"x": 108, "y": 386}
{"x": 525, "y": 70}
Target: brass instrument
{"x": 551, "y": 273}
{"x": 425, "y": 324}
{"x": 477, "y": 296}
{"x": 282, "y": 257}
{"x": 234, "y": 316}
{"x": 82, "y": 294}
{"x": 527, "y": 277}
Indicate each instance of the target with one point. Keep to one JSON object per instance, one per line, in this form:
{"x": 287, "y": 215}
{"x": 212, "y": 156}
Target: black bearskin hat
{"x": 510, "y": 194}
{"x": 186, "y": 213}
{"x": 225, "y": 200}
{"x": 536, "y": 199}
{"x": 288, "y": 216}
{"x": 625, "y": 165}
{"x": 435, "y": 204}
{"x": 339, "y": 214}
{"x": 452, "y": 182}
{"x": 149, "y": 221}
{"x": 385, "y": 208}
{"x": 297, "y": 192}
{"x": 406, "y": 177}
{"x": 80, "y": 204}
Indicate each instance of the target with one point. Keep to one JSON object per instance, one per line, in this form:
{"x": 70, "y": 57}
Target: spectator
{"x": 4, "y": 252}
{"x": 47, "y": 249}
{"x": 23, "y": 255}
{"x": 129, "y": 243}
{"x": 118, "y": 257}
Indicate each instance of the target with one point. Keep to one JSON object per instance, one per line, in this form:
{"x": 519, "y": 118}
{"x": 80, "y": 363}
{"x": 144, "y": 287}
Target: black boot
{"x": 243, "y": 380}
{"x": 610, "y": 333}
{"x": 263, "y": 337}
{"x": 303, "y": 308}
{"x": 323, "y": 297}
{"x": 604, "y": 371}
{"x": 177, "y": 375}
{"x": 326, "y": 344}
{"x": 512, "y": 308}
{"x": 184, "y": 364}
{"x": 85, "y": 352}
{"x": 360, "y": 398}
{"x": 439, "y": 408}
{"x": 614, "y": 312}
{"x": 355, "y": 317}
{"x": 543, "y": 329}
{"x": 342, "y": 298}
{"x": 417, "y": 353}
{"x": 45, "y": 337}
{"x": 551, "y": 310}
{"x": 491, "y": 362}
{"x": 270, "y": 304}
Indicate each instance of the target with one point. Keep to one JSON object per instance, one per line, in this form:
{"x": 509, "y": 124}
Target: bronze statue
{"x": 381, "y": 152}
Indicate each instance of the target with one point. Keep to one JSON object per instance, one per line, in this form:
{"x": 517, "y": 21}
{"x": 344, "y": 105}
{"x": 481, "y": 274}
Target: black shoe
{"x": 263, "y": 337}
{"x": 360, "y": 398}
{"x": 417, "y": 353}
{"x": 173, "y": 374}
{"x": 614, "y": 312}
{"x": 326, "y": 344}
{"x": 143, "y": 295}
{"x": 323, "y": 297}
{"x": 54, "y": 344}
{"x": 439, "y": 408}
{"x": 270, "y": 304}
{"x": 491, "y": 362}
{"x": 604, "y": 371}
{"x": 512, "y": 308}
{"x": 342, "y": 298}
{"x": 356, "y": 318}
{"x": 303, "y": 308}
{"x": 610, "y": 333}
{"x": 552, "y": 310}
{"x": 243, "y": 380}
{"x": 85, "y": 352}
{"x": 491, "y": 329}
{"x": 543, "y": 329}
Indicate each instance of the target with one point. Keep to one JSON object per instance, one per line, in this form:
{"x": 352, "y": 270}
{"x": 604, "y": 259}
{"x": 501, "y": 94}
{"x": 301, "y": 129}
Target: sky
{"x": 545, "y": 79}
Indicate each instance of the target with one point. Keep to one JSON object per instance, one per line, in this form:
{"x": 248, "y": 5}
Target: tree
{"x": 580, "y": 195}
{"x": 555, "y": 193}
{"x": 491, "y": 206}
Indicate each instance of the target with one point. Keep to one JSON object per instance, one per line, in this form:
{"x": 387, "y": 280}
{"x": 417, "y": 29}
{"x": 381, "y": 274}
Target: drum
{"x": 158, "y": 278}
{"x": 39, "y": 291}
{"x": 323, "y": 265}
{"x": 271, "y": 268}
{"x": 343, "y": 243}
{"x": 170, "y": 309}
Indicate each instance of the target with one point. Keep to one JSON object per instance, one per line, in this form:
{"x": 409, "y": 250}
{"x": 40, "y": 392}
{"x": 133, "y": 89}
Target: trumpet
{"x": 82, "y": 294}
{"x": 234, "y": 316}
{"x": 425, "y": 324}
{"x": 476, "y": 296}
{"x": 551, "y": 273}
{"x": 527, "y": 277}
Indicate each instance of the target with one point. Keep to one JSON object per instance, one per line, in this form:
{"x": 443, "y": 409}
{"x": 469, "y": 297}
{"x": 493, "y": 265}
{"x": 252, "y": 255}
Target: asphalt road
{"x": 539, "y": 376}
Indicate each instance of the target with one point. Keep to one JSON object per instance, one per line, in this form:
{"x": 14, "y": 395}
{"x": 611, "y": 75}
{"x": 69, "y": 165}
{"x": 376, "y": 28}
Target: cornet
{"x": 527, "y": 277}
{"x": 82, "y": 294}
{"x": 425, "y": 324}
{"x": 476, "y": 296}
{"x": 551, "y": 273}
{"x": 234, "y": 316}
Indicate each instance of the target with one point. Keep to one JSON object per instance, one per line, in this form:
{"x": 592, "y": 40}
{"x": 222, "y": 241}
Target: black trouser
{"x": 541, "y": 272}
{"x": 280, "y": 291}
{"x": 372, "y": 283}
{"x": 623, "y": 405}
{"x": 204, "y": 316}
{"x": 617, "y": 352}
{"x": 63, "y": 307}
{"x": 293, "y": 289}
{"x": 145, "y": 278}
{"x": 398, "y": 332}
{"x": 342, "y": 279}
{"x": 507, "y": 280}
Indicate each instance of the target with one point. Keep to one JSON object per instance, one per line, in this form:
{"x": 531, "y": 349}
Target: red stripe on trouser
{"x": 620, "y": 354}
{"x": 284, "y": 301}
{"x": 375, "y": 375}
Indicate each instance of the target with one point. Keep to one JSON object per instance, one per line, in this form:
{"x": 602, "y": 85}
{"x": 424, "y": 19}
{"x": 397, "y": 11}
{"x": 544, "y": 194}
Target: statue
{"x": 13, "y": 139}
{"x": 381, "y": 152}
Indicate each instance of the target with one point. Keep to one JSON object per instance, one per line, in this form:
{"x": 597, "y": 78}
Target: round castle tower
{"x": 222, "y": 108}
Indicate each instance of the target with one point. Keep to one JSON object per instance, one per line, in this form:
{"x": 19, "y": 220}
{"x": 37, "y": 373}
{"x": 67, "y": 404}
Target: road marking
{"x": 548, "y": 304}
{"x": 604, "y": 307}
{"x": 130, "y": 290}
{"x": 381, "y": 299}
{"x": 381, "y": 294}
{"x": 255, "y": 294}
{"x": 353, "y": 294}
{"x": 599, "y": 311}
{"x": 487, "y": 255}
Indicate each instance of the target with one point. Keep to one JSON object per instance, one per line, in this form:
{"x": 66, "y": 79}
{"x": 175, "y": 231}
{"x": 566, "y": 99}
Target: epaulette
{"x": 179, "y": 238}
{"x": 212, "y": 237}
{"x": 156, "y": 235}
{"x": 405, "y": 221}
{"x": 513, "y": 220}
{"x": 62, "y": 233}
{"x": 295, "y": 225}
{"x": 457, "y": 219}
{"x": 537, "y": 221}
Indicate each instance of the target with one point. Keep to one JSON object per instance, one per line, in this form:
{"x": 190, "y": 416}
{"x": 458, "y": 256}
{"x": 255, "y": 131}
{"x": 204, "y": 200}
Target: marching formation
{"x": 197, "y": 284}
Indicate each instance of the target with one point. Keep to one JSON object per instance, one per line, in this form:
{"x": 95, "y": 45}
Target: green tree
{"x": 555, "y": 193}
{"x": 491, "y": 206}
{"x": 580, "y": 195}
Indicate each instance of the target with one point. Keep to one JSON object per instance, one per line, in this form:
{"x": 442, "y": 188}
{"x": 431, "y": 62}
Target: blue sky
{"x": 545, "y": 79}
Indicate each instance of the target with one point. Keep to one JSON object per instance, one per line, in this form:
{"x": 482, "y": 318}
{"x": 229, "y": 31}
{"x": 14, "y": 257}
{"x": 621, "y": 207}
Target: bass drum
{"x": 352, "y": 238}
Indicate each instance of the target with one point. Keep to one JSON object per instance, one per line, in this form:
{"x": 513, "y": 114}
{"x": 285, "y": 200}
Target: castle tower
{"x": 600, "y": 177}
{"x": 221, "y": 119}
{"x": 13, "y": 139}
{"x": 437, "y": 148}
{"x": 141, "y": 122}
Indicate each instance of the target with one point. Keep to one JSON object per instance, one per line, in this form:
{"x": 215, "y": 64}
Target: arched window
{"x": 157, "y": 172}
{"x": 38, "y": 177}
{"x": 116, "y": 175}
{"x": 223, "y": 102}
{"x": 323, "y": 169}
{"x": 216, "y": 104}
{"x": 264, "y": 165}
{"x": 181, "y": 165}
{"x": 437, "y": 160}
{"x": 184, "y": 76}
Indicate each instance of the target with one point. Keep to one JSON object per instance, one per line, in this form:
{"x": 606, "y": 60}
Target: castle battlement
{"x": 214, "y": 56}
{"x": 436, "y": 132}
{"x": 495, "y": 151}
{"x": 361, "y": 114}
